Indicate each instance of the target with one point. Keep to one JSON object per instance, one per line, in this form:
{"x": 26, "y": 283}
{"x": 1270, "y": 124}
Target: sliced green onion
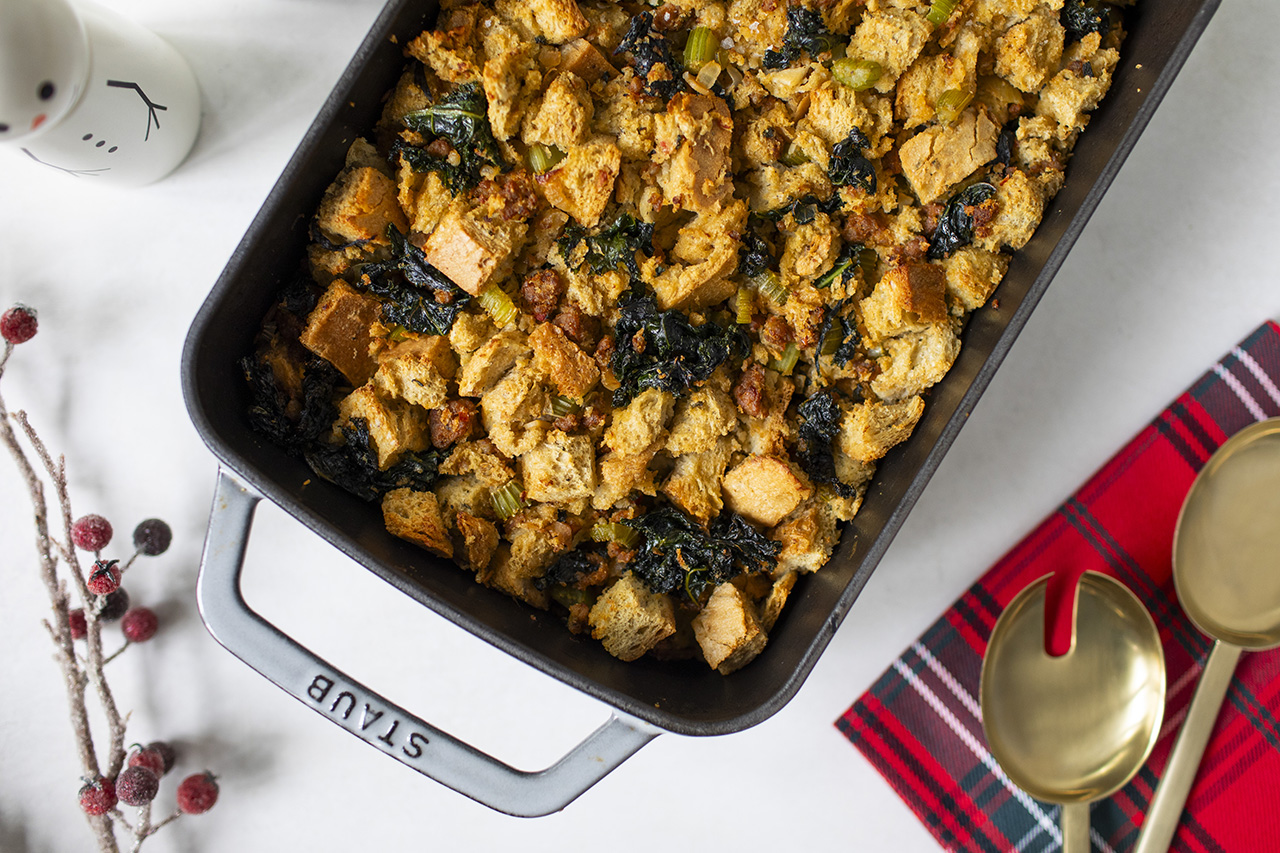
{"x": 398, "y": 334}
{"x": 786, "y": 362}
{"x": 568, "y": 596}
{"x": 543, "y": 158}
{"x": 746, "y": 302}
{"x": 700, "y": 48}
{"x": 940, "y": 11}
{"x": 561, "y": 406}
{"x": 615, "y": 531}
{"x": 770, "y": 285}
{"x": 795, "y": 156}
{"x": 497, "y": 304}
{"x": 507, "y": 500}
{"x": 951, "y": 103}
{"x": 857, "y": 74}
{"x": 835, "y": 274}
{"x": 868, "y": 260}
{"x": 831, "y": 342}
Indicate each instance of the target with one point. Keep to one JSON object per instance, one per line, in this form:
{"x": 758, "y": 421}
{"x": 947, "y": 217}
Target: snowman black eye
{"x": 47, "y": 90}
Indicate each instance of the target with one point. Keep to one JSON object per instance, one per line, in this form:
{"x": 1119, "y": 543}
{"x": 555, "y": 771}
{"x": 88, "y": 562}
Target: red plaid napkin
{"x": 919, "y": 723}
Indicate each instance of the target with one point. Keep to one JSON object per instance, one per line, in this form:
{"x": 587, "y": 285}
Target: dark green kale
{"x": 353, "y": 465}
{"x": 649, "y": 49}
{"x": 418, "y": 296}
{"x": 1007, "y": 142}
{"x": 569, "y": 569}
{"x": 677, "y": 554}
{"x": 662, "y": 349}
{"x": 318, "y": 236}
{"x": 804, "y": 209}
{"x": 754, "y": 254}
{"x": 807, "y": 32}
{"x": 300, "y": 296}
{"x": 269, "y": 405}
{"x": 461, "y": 119}
{"x": 849, "y": 167}
{"x": 819, "y": 423}
{"x": 846, "y": 266}
{"x": 1081, "y": 17}
{"x": 955, "y": 228}
{"x": 612, "y": 246}
{"x": 847, "y": 329}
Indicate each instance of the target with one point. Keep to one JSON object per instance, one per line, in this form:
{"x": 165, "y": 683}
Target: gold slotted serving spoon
{"x": 1226, "y": 567}
{"x": 1074, "y": 728}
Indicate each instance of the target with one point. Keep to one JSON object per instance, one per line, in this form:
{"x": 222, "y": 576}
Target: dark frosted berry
{"x": 139, "y": 624}
{"x": 167, "y": 754}
{"x": 18, "y": 324}
{"x": 137, "y": 786}
{"x": 114, "y": 606}
{"x": 152, "y": 537}
{"x": 198, "y": 793}
{"x": 105, "y": 577}
{"x": 91, "y": 533}
{"x": 75, "y": 621}
{"x": 98, "y": 797}
{"x": 145, "y": 756}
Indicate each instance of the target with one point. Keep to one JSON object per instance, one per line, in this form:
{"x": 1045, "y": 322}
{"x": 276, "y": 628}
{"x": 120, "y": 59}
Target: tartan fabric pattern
{"x": 920, "y": 723}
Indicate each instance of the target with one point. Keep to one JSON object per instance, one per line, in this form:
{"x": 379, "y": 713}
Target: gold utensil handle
{"x": 1074, "y": 822}
{"x": 1171, "y": 793}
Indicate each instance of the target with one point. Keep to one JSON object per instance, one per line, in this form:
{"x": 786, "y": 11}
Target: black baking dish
{"x": 688, "y": 698}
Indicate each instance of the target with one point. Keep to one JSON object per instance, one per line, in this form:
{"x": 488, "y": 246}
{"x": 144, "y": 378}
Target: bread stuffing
{"x": 619, "y": 304}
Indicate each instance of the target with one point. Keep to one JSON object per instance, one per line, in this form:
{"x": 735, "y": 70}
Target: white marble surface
{"x": 1177, "y": 264}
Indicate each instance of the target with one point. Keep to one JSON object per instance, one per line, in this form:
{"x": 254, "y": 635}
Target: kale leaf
{"x": 676, "y": 554}
{"x": 846, "y": 266}
{"x": 754, "y": 254}
{"x": 1007, "y": 142}
{"x": 269, "y": 405}
{"x": 806, "y": 31}
{"x": 820, "y": 422}
{"x": 662, "y": 349}
{"x": 649, "y": 49}
{"x": 846, "y": 328}
{"x": 353, "y": 465}
{"x": 612, "y": 246}
{"x": 955, "y": 228}
{"x": 462, "y": 119}
{"x": 1081, "y": 17}
{"x": 569, "y": 569}
{"x": 849, "y": 167}
{"x": 419, "y": 296}
{"x": 805, "y": 208}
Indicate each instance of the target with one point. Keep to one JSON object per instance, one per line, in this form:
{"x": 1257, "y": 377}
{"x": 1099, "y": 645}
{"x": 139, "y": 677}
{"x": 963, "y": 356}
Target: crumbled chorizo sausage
{"x": 540, "y": 293}
{"x": 749, "y": 392}
{"x": 452, "y": 422}
{"x": 583, "y": 329}
{"x": 776, "y": 334}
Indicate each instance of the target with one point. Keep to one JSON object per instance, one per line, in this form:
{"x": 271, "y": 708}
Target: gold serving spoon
{"x": 1074, "y": 728}
{"x": 1226, "y": 567}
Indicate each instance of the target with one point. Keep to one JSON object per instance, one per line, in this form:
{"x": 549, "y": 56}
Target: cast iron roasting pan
{"x": 647, "y": 697}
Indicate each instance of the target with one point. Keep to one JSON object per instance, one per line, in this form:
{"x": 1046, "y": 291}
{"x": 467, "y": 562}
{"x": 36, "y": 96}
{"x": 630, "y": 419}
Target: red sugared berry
{"x": 98, "y": 797}
{"x": 167, "y": 754}
{"x": 18, "y": 324}
{"x": 105, "y": 577}
{"x": 198, "y": 793}
{"x": 137, "y": 786}
{"x": 143, "y": 756}
{"x": 75, "y": 622}
{"x": 113, "y": 606}
{"x": 152, "y": 537}
{"x": 91, "y": 533}
{"x": 139, "y": 624}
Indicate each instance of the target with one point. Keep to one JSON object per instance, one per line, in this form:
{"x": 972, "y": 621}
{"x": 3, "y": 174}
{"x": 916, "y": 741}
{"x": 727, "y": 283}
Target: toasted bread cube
{"x": 920, "y": 86}
{"x": 561, "y": 470}
{"x": 359, "y": 206}
{"x": 573, "y": 372}
{"x": 470, "y": 332}
{"x": 580, "y": 57}
{"x": 511, "y": 77}
{"x": 692, "y": 140}
{"x": 640, "y": 425}
{"x": 555, "y": 21}
{"x": 417, "y": 370}
{"x": 563, "y": 116}
{"x": 771, "y": 607}
{"x": 972, "y": 276}
{"x": 517, "y": 399}
{"x": 424, "y": 197}
{"x": 474, "y": 457}
{"x": 1027, "y": 53}
{"x": 491, "y": 362}
{"x": 583, "y": 181}
{"x": 808, "y": 536}
{"x": 394, "y": 427}
{"x": 939, "y": 157}
{"x": 908, "y": 298}
{"x": 869, "y": 429}
{"x": 707, "y": 253}
{"x": 620, "y": 476}
{"x": 915, "y": 361}
{"x": 1020, "y": 205}
{"x": 765, "y": 489}
{"x": 694, "y": 485}
{"x": 479, "y": 540}
{"x": 338, "y": 331}
{"x": 471, "y": 249}
{"x": 700, "y": 420}
{"x": 415, "y": 517}
{"x": 892, "y": 38}
{"x": 630, "y": 620}
{"x": 727, "y": 630}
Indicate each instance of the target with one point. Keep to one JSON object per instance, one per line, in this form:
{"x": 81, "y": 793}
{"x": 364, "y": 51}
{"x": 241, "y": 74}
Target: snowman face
{"x": 43, "y": 62}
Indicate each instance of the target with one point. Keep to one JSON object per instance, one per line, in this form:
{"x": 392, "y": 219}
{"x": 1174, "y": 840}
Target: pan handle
{"x": 370, "y": 717}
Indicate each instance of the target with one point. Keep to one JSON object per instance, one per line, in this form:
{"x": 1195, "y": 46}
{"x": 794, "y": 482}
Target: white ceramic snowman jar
{"x": 92, "y": 94}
